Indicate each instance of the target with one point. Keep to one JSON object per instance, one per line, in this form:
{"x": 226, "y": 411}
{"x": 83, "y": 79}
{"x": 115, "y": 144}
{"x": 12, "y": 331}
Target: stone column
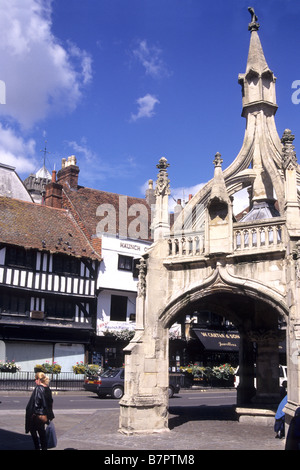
{"x": 144, "y": 406}
{"x": 267, "y": 366}
{"x": 161, "y": 225}
{"x": 293, "y": 335}
{"x": 246, "y": 389}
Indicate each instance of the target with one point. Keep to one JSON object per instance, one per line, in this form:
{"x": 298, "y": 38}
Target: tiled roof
{"x": 87, "y": 205}
{"x": 43, "y": 228}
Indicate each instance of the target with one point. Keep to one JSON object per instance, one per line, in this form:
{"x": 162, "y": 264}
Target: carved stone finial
{"x": 254, "y": 25}
{"x": 289, "y": 159}
{"x": 162, "y": 183}
{"x": 163, "y": 164}
{"x": 218, "y": 160}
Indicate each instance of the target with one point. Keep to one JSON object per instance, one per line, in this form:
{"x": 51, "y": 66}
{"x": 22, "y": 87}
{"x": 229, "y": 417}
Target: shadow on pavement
{"x": 184, "y": 414}
{"x": 14, "y": 441}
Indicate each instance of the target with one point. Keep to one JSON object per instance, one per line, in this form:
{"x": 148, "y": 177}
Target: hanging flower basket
{"x": 48, "y": 368}
{"x": 87, "y": 369}
{"x": 9, "y": 366}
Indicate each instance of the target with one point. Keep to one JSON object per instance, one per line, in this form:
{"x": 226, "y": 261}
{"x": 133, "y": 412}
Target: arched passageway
{"x": 258, "y": 323}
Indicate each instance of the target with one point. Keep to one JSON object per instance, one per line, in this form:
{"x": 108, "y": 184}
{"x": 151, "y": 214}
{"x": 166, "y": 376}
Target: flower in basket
{"x": 87, "y": 369}
{"x": 224, "y": 371}
{"x": 48, "y": 368}
{"x": 9, "y": 366}
{"x": 79, "y": 368}
{"x": 56, "y": 368}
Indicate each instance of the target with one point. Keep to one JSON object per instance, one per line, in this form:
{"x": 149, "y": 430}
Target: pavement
{"x": 190, "y": 429}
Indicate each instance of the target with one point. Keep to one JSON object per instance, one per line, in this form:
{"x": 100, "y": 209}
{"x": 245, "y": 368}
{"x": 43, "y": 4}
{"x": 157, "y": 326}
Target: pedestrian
{"x": 293, "y": 435}
{"x": 280, "y": 419}
{"x": 39, "y": 411}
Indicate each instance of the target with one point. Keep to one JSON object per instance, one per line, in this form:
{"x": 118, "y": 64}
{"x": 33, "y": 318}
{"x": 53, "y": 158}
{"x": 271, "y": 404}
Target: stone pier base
{"x": 142, "y": 416}
{"x": 249, "y": 415}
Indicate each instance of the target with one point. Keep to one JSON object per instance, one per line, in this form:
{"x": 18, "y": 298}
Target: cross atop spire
{"x": 258, "y": 81}
{"x": 254, "y": 25}
{"x": 45, "y": 151}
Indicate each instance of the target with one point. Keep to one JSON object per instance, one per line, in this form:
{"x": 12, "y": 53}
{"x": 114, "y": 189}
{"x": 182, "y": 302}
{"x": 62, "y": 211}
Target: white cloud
{"x": 145, "y": 107}
{"x": 17, "y": 152}
{"x": 85, "y": 61}
{"x": 82, "y": 149}
{"x": 41, "y": 76}
{"x": 151, "y": 59}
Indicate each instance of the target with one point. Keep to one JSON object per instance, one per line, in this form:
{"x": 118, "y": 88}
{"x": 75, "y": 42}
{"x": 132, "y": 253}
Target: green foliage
{"x": 48, "y": 368}
{"x": 87, "y": 369}
{"x": 224, "y": 371}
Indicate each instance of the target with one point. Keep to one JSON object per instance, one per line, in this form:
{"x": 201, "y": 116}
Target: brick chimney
{"x": 53, "y": 196}
{"x": 68, "y": 175}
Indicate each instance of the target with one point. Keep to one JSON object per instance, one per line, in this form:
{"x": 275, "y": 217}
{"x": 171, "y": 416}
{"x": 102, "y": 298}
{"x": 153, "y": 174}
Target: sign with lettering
{"x": 218, "y": 340}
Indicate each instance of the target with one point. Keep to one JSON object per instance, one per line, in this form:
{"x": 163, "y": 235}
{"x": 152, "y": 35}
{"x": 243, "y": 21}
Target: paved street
{"x": 192, "y": 427}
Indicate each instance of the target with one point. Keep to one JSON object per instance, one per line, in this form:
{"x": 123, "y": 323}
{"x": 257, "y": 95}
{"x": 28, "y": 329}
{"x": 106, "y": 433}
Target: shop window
{"x": 118, "y": 308}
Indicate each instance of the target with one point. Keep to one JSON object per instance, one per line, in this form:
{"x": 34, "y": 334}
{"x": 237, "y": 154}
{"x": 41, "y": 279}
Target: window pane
{"x": 118, "y": 308}
{"x": 125, "y": 262}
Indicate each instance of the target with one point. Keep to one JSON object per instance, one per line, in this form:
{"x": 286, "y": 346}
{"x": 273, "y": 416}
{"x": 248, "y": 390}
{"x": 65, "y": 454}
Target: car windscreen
{"x": 110, "y": 373}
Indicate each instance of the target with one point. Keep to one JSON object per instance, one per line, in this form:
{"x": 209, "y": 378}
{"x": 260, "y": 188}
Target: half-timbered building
{"x": 59, "y": 300}
{"x": 48, "y": 275}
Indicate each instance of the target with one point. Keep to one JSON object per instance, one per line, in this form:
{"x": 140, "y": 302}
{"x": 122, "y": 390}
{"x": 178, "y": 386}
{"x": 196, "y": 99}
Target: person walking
{"x": 39, "y": 411}
{"x": 279, "y": 426}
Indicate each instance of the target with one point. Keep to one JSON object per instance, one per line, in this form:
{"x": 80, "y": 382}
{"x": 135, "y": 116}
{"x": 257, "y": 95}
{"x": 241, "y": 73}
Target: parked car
{"x": 282, "y": 376}
{"x": 111, "y": 382}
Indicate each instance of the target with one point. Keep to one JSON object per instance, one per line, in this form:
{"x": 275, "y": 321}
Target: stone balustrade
{"x": 257, "y": 235}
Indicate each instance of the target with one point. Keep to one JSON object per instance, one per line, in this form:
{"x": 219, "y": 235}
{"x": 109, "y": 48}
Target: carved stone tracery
{"x": 289, "y": 159}
{"x": 142, "y": 266}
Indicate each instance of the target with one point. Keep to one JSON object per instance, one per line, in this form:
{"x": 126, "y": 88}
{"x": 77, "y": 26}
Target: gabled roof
{"x": 89, "y": 207}
{"x": 42, "y": 228}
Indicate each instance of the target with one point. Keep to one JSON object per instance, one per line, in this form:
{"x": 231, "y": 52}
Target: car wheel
{"x": 117, "y": 392}
{"x": 170, "y": 392}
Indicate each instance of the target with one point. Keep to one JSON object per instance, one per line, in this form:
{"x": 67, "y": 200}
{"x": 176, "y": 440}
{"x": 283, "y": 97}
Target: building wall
{"x": 11, "y": 185}
{"x": 104, "y": 322}
{"x": 117, "y": 279}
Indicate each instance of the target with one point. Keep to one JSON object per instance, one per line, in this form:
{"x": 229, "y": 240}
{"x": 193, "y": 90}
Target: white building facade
{"x": 117, "y": 293}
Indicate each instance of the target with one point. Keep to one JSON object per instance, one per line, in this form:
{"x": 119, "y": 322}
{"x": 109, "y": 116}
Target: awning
{"x": 218, "y": 340}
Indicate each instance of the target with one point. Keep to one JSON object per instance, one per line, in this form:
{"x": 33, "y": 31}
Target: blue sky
{"x": 121, "y": 83}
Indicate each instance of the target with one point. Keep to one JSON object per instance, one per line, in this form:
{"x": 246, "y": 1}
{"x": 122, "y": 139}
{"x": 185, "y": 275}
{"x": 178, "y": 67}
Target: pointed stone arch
{"x": 221, "y": 281}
